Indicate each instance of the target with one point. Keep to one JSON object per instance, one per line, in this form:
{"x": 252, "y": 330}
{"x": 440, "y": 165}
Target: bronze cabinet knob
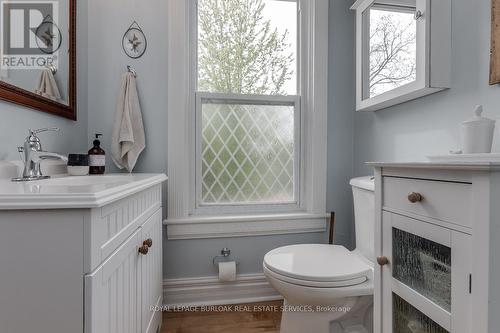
{"x": 382, "y": 260}
{"x": 144, "y": 250}
{"x": 148, "y": 242}
{"x": 415, "y": 197}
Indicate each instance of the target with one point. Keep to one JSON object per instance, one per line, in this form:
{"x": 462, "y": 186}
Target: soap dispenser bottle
{"x": 97, "y": 158}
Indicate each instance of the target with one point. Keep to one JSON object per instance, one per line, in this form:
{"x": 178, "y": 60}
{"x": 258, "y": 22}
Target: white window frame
{"x": 186, "y": 218}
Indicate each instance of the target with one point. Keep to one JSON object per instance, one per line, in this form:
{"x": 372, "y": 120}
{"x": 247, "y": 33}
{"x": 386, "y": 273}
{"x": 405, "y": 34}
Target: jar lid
{"x": 78, "y": 160}
{"x": 477, "y": 118}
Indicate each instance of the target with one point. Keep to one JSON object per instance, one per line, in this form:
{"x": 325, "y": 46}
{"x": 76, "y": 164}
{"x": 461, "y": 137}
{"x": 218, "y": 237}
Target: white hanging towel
{"x": 128, "y": 139}
{"x": 47, "y": 86}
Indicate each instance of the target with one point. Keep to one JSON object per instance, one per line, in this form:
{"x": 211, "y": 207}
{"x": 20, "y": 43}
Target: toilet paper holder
{"x": 223, "y": 256}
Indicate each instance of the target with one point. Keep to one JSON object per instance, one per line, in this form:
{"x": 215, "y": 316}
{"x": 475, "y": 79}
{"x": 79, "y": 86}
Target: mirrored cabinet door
{"x": 425, "y": 282}
{"x": 390, "y": 46}
{"x": 403, "y": 50}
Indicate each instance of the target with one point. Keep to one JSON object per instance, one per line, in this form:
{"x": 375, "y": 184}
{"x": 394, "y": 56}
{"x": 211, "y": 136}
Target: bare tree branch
{"x": 392, "y": 48}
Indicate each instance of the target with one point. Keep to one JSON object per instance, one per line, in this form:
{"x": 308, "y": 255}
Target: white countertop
{"x": 67, "y": 192}
{"x": 477, "y": 166}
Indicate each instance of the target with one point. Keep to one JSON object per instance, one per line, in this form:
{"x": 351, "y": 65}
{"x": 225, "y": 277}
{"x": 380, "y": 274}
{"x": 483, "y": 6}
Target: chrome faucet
{"x": 33, "y": 155}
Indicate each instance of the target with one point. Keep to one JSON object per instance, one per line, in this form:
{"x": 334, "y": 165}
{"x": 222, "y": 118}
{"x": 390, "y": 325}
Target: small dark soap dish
{"x": 78, "y": 164}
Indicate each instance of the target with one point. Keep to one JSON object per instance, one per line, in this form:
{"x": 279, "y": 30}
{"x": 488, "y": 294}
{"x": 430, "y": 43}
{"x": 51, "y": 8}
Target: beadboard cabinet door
{"x": 112, "y": 294}
{"x": 151, "y": 274}
{"x": 426, "y": 277}
{"x": 122, "y": 295}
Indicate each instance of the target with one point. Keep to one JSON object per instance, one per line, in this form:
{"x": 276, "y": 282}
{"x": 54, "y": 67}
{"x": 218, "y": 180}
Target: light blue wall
{"x": 17, "y": 119}
{"x": 341, "y": 87}
{"x": 431, "y": 125}
{"x": 188, "y": 258}
{"x": 108, "y": 22}
{"x": 193, "y": 258}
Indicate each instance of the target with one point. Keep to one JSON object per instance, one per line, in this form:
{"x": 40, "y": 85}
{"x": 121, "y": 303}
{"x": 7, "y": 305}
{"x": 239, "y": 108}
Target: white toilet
{"x": 327, "y": 288}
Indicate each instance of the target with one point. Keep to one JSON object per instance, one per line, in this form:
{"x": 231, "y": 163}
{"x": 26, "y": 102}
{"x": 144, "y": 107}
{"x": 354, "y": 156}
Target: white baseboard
{"x": 247, "y": 288}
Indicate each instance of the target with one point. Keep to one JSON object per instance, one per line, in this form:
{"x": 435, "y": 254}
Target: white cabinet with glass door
{"x": 437, "y": 239}
{"x": 425, "y": 288}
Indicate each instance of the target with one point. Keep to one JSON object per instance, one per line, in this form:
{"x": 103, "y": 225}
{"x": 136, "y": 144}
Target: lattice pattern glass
{"x": 423, "y": 265}
{"x": 247, "y": 152}
{"x": 407, "y": 319}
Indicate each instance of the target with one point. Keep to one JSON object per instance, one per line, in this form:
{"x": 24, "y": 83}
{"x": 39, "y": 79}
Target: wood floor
{"x": 242, "y": 318}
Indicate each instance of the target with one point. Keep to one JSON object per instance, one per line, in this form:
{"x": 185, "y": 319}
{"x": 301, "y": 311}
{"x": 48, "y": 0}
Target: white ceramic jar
{"x": 477, "y": 133}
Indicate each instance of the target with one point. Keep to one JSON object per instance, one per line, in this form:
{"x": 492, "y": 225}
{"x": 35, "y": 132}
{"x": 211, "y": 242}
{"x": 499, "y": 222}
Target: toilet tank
{"x": 363, "y": 190}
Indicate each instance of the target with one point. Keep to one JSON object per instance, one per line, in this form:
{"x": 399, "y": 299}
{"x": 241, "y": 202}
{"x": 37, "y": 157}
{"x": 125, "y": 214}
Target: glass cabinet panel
{"x": 407, "y": 319}
{"x": 424, "y": 266}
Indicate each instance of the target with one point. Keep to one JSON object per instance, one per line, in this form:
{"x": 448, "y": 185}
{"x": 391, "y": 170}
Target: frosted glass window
{"x": 248, "y": 152}
{"x": 407, "y": 319}
{"x": 422, "y": 265}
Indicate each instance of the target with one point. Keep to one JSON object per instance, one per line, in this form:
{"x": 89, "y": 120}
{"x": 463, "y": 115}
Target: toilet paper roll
{"x": 227, "y": 271}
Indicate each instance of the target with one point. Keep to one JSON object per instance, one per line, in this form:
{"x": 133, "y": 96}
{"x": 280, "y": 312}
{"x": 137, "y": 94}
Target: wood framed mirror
{"x": 38, "y": 55}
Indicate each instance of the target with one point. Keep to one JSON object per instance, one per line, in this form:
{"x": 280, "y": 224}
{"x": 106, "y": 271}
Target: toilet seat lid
{"x": 317, "y": 262}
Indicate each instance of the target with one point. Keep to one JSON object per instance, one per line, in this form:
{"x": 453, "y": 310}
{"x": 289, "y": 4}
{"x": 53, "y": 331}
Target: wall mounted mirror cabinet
{"x": 37, "y": 55}
{"x": 402, "y": 50}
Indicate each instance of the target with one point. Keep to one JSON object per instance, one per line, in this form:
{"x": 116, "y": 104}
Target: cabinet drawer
{"x": 446, "y": 201}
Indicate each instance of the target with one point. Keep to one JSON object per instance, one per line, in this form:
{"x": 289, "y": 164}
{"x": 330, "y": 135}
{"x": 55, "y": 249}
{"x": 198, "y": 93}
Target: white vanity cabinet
{"x": 93, "y": 264}
{"x": 437, "y": 230}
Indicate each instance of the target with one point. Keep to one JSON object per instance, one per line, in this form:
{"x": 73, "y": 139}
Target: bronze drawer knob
{"x": 382, "y": 260}
{"x": 148, "y": 242}
{"x": 143, "y": 249}
{"x": 415, "y": 197}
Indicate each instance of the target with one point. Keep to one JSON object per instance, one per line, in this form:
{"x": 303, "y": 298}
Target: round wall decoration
{"x": 49, "y": 36}
{"x": 134, "y": 41}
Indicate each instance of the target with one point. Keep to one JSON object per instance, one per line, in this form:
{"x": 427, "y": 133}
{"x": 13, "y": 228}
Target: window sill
{"x": 245, "y": 225}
